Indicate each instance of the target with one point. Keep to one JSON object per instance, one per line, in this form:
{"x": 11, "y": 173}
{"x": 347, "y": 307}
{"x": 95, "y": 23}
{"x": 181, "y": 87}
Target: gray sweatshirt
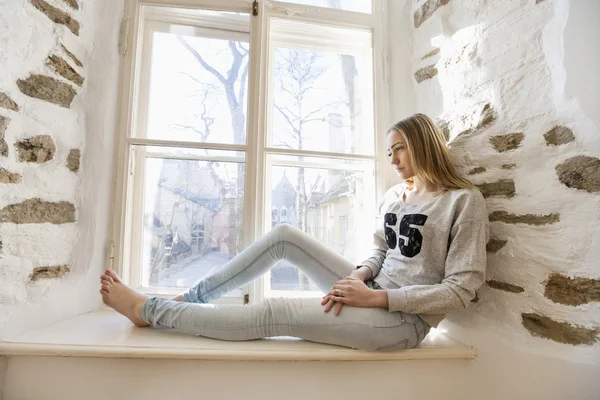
{"x": 430, "y": 257}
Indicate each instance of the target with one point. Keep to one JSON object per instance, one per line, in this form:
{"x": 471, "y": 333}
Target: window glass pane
{"x": 322, "y": 89}
{"x": 333, "y": 205}
{"x": 363, "y": 6}
{"x": 192, "y": 213}
{"x": 197, "y": 83}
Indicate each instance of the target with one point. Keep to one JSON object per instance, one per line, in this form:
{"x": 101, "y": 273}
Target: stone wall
{"x": 59, "y": 62}
{"x": 494, "y": 74}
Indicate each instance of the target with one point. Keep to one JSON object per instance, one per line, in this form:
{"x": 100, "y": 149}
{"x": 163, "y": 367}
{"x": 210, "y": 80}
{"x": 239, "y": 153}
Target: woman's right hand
{"x": 363, "y": 273}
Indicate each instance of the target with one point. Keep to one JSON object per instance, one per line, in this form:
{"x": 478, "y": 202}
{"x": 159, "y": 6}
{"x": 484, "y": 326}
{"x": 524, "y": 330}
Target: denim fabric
{"x": 355, "y": 327}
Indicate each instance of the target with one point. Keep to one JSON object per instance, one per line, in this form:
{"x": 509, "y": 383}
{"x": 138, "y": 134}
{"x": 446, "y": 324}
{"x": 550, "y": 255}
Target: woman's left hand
{"x": 351, "y": 291}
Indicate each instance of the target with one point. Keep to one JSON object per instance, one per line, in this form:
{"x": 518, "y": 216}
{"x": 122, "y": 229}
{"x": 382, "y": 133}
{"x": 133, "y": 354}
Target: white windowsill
{"x": 106, "y": 334}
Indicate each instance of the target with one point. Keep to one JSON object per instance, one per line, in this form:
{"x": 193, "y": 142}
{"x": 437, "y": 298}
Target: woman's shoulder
{"x": 469, "y": 204}
{"x": 467, "y": 195}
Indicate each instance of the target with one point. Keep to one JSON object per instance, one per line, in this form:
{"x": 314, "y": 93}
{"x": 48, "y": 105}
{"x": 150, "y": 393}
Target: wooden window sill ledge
{"x": 106, "y": 334}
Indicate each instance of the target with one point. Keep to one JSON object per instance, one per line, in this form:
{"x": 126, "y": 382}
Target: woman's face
{"x": 398, "y": 155}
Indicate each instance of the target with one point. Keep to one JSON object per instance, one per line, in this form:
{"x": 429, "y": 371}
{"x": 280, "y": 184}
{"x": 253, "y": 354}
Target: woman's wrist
{"x": 380, "y": 299}
{"x": 363, "y": 273}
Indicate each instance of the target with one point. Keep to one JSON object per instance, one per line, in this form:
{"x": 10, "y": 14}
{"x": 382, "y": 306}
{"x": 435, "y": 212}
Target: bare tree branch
{"x": 290, "y": 112}
{"x": 292, "y": 125}
{"x": 242, "y": 92}
{"x": 235, "y": 66}
{"x": 305, "y": 121}
{"x": 198, "y": 57}
{"x": 321, "y": 109}
{"x": 244, "y": 50}
{"x": 190, "y": 127}
{"x": 283, "y": 144}
{"x": 191, "y": 77}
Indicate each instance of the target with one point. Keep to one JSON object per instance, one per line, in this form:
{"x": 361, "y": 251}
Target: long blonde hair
{"x": 429, "y": 153}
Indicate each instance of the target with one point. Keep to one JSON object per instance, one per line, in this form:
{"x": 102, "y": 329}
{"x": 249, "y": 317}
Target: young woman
{"x": 429, "y": 259}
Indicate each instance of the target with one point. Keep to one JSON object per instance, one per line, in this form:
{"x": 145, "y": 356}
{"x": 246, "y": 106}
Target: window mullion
{"x": 255, "y": 158}
{"x": 381, "y": 93}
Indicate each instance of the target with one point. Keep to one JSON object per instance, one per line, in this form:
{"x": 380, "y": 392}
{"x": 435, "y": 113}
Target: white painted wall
{"x": 505, "y": 375}
{"x": 582, "y": 58}
{"x": 537, "y": 65}
{"x": 27, "y": 37}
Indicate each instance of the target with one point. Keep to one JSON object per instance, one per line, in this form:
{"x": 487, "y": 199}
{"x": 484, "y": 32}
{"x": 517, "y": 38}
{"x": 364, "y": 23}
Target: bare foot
{"x": 122, "y": 298}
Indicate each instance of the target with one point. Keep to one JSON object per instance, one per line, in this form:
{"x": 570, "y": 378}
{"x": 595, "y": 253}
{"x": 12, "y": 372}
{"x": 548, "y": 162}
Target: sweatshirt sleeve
{"x": 464, "y": 274}
{"x": 380, "y": 248}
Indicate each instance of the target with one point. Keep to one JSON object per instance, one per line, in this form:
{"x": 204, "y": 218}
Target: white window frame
{"x": 257, "y": 214}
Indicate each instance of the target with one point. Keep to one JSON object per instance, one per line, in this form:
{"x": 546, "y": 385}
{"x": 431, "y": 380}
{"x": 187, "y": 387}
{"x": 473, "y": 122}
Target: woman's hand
{"x": 354, "y": 292}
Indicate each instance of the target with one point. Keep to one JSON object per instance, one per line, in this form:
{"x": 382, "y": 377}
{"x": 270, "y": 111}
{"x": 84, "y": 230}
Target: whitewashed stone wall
{"x": 494, "y": 74}
{"x": 59, "y": 61}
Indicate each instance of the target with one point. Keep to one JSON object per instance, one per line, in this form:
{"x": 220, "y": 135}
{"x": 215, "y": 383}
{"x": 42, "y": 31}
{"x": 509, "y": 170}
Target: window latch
{"x": 255, "y": 8}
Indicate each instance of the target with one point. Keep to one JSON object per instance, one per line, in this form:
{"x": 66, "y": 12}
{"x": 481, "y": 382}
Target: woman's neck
{"x": 421, "y": 186}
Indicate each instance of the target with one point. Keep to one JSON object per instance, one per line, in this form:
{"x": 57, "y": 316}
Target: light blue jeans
{"x": 355, "y": 327}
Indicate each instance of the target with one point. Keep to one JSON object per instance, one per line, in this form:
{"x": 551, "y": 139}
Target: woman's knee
{"x": 282, "y": 230}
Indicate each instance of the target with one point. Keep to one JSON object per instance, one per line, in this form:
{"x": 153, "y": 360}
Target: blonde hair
{"x": 429, "y": 153}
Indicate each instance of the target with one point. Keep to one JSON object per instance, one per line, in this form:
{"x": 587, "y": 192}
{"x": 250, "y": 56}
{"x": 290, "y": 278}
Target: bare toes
{"x": 106, "y": 288}
{"x": 107, "y": 278}
{"x": 113, "y": 275}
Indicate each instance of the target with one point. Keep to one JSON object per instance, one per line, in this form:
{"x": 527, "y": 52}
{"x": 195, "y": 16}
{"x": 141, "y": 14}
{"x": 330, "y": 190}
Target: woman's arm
{"x": 362, "y": 272}
{"x": 380, "y": 248}
{"x": 464, "y": 274}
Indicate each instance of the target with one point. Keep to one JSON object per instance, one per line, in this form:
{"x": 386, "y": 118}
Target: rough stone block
{"x": 561, "y": 332}
{"x": 477, "y": 170}
{"x": 503, "y": 143}
{"x": 502, "y": 188}
{"x": 38, "y": 149}
{"x": 426, "y": 73}
{"x": 57, "y": 16}
{"x": 486, "y": 118}
{"x": 494, "y": 245}
{"x": 73, "y": 160}
{"x": 559, "y": 135}
{"x": 63, "y": 68}
{"x": 7, "y": 102}
{"x": 572, "y": 291}
{"x": 49, "y": 272}
{"x": 48, "y": 89}
{"x": 529, "y": 219}
{"x": 3, "y": 145}
{"x": 443, "y": 125}
{"x": 37, "y": 211}
{"x": 507, "y": 287}
{"x": 509, "y": 166}
{"x": 427, "y": 10}
{"x": 71, "y": 56}
{"x": 580, "y": 172}
{"x": 9, "y": 177}
{"x": 431, "y": 53}
{"x": 72, "y": 3}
